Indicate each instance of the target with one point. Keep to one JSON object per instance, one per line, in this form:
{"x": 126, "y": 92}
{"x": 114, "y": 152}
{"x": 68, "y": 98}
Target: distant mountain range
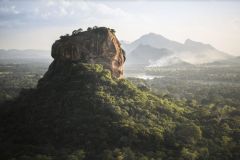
{"x": 150, "y": 48}
{"x": 232, "y": 61}
{"x": 24, "y": 56}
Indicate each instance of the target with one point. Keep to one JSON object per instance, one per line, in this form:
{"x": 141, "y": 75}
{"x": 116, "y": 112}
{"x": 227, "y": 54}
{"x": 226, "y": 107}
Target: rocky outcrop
{"x": 95, "y": 46}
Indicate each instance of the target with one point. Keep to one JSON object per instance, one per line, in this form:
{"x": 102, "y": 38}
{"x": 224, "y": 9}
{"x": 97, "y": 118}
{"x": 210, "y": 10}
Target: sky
{"x": 37, "y": 24}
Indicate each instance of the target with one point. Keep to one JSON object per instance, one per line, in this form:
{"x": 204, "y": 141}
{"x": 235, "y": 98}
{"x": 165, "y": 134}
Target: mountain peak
{"x": 191, "y": 42}
{"x": 152, "y": 35}
{"x": 188, "y": 41}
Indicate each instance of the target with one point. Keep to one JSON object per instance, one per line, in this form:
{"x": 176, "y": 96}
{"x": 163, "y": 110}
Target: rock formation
{"x": 95, "y": 46}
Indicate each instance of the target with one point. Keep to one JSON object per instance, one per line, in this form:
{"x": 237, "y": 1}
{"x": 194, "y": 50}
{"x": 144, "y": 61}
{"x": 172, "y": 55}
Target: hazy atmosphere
{"x": 36, "y": 24}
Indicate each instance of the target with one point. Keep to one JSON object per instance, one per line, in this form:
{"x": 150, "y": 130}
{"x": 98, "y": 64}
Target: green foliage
{"x": 209, "y": 98}
{"x": 89, "y": 28}
{"x": 113, "y": 31}
{"x": 15, "y": 77}
{"x": 36, "y": 157}
{"x": 186, "y": 154}
{"x": 97, "y": 29}
{"x": 76, "y": 32}
{"x": 77, "y": 155}
{"x": 188, "y": 134}
{"x": 82, "y": 113}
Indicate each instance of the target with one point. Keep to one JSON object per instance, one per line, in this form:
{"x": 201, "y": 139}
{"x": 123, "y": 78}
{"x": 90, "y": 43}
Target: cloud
{"x": 8, "y": 10}
{"x": 37, "y": 13}
{"x": 106, "y": 10}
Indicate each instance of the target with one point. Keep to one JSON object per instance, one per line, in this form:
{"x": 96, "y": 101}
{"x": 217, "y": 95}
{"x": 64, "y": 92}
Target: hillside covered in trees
{"x": 90, "y": 115}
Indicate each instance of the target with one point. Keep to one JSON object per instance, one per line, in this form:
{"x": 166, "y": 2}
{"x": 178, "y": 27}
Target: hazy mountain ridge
{"x": 154, "y": 40}
{"x": 190, "y": 51}
{"x": 231, "y": 61}
{"x": 24, "y": 56}
{"x": 28, "y": 53}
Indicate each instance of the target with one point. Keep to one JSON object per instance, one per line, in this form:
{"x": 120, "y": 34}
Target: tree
{"x": 77, "y": 155}
{"x": 80, "y": 30}
{"x": 75, "y": 32}
{"x": 113, "y": 31}
{"x": 128, "y": 154}
{"x": 66, "y": 35}
{"x": 36, "y": 157}
{"x": 188, "y": 134}
{"x": 186, "y": 154}
{"x": 95, "y": 27}
{"x": 107, "y": 155}
{"x": 118, "y": 154}
{"x": 89, "y": 28}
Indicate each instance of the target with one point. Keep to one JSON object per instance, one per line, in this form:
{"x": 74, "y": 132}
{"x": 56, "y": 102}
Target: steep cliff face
{"x": 96, "y": 46}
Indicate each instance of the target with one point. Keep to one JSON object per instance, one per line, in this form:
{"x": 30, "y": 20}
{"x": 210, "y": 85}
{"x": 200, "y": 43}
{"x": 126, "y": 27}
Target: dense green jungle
{"x": 178, "y": 113}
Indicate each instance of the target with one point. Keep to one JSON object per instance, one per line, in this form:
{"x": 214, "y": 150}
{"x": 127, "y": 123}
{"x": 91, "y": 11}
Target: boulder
{"x": 94, "y": 46}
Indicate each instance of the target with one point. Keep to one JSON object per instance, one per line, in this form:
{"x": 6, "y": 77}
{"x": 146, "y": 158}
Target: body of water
{"x": 142, "y": 76}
